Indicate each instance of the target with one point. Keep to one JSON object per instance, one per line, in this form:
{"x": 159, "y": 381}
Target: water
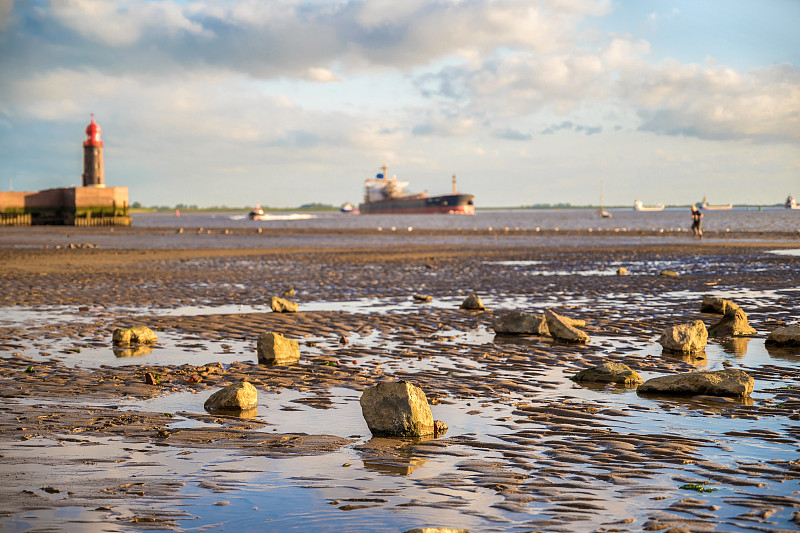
{"x": 766, "y": 220}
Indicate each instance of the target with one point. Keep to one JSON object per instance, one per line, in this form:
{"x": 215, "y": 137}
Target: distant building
{"x": 94, "y": 204}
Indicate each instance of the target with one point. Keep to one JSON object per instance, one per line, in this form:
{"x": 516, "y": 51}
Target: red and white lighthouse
{"x": 93, "y": 157}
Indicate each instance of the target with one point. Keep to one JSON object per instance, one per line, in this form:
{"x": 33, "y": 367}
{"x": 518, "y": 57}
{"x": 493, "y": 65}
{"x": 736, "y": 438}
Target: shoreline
{"x": 518, "y": 425}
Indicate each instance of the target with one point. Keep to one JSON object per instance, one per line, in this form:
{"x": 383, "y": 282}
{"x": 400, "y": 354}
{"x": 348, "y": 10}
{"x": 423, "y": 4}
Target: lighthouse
{"x": 93, "y": 157}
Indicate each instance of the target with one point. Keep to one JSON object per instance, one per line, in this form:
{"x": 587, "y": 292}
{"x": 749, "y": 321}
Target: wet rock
{"x": 423, "y": 298}
{"x": 733, "y": 323}
{"x": 280, "y": 305}
{"x": 135, "y": 335}
{"x": 240, "y": 396}
{"x": 784, "y": 336}
{"x": 520, "y": 323}
{"x": 670, "y": 273}
{"x": 728, "y": 382}
{"x": 609, "y": 373}
{"x": 439, "y": 427}
{"x": 151, "y": 379}
{"x": 562, "y": 328}
{"x": 473, "y": 302}
{"x": 275, "y": 349}
{"x": 396, "y": 409}
{"x": 685, "y": 338}
{"x": 710, "y": 304}
{"x": 622, "y": 271}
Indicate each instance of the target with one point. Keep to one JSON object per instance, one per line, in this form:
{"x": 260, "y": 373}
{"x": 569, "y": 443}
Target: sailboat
{"x": 603, "y": 213}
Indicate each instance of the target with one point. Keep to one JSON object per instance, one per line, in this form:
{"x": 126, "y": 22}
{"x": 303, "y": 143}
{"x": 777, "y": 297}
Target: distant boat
{"x": 602, "y": 212}
{"x": 384, "y": 194}
{"x": 705, "y": 206}
{"x": 639, "y": 206}
{"x": 257, "y": 213}
{"x": 791, "y": 203}
{"x": 349, "y": 209}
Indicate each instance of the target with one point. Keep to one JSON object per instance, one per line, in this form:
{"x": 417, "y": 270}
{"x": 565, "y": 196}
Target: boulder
{"x": 670, "y": 273}
{"x": 622, "y": 271}
{"x": 784, "y": 336}
{"x": 733, "y": 323}
{"x": 609, "y": 373}
{"x": 135, "y": 335}
{"x": 562, "y": 329}
{"x": 520, "y": 323}
{"x": 473, "y": 302}
{"x": 237, "y": 397}
{"x": 279, "y": 305}
{"x": 275, "y": 349}
{"x": 710, "y": 304}
{"x": 728, "y": 382}
{"x": 685, "y": 338}
{"x": 396, "y": 409}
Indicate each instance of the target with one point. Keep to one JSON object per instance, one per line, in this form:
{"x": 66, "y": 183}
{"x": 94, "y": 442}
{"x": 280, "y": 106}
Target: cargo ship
{"x": 384, "y": 194}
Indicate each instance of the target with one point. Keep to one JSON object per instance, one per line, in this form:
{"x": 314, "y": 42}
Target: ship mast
{"x": 455, "y": 190}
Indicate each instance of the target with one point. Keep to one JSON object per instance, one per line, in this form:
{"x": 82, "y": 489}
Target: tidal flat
{"x": 86, "y": 444}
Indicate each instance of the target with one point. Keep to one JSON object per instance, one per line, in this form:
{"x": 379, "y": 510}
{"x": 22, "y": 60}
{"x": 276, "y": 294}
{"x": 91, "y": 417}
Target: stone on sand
{"x": 520, "y": 323}
{"x": 670, "y": 273}
{"x": 562, "y": 328}
{"x": 685, "y": 338}
{"x": 135, "y": 335}
{"x": 609, "y": 373}
{"x": 396, "y": 409}
{"x": 473, "y": 301}
{"x": 275, "y": 349}
{"x": 728, "y": 382}
{"x": 622, "y": 271}
{"x": 784, "y": 336}
{"x": 423, "y": 298}
{"x": 281, "y": 305}
{"x": 237, "y": 397}
{"x": 733, "y": 323}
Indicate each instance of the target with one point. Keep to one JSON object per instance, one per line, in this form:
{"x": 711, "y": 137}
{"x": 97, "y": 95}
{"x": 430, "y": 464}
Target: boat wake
{"x": 269, "y": 217}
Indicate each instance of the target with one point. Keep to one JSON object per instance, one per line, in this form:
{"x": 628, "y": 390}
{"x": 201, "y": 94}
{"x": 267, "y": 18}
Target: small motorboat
{"x": 349, "y": 208}
{"x": 639, "y": 206}
{"x": 257, "y": 213}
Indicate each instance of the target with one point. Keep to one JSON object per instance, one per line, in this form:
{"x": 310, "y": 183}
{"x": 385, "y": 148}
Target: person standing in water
{"x": 697, "y": 222}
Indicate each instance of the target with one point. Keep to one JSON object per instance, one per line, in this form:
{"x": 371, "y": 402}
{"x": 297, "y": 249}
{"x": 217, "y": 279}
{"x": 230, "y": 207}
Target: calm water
{"x": 766, "y": 220}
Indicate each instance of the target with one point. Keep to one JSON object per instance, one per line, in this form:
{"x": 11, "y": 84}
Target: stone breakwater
{"x": 527, "y": 448}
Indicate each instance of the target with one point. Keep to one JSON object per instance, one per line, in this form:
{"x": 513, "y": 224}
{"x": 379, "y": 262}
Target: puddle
{"x": 794, "y": 252}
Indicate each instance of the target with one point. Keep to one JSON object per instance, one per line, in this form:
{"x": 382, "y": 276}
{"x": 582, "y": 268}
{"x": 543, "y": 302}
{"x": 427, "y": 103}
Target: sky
{"x": 290, "y": 102}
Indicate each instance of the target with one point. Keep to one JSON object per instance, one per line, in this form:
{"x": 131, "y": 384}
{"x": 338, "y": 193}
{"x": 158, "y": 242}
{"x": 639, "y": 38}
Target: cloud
{"x": 568, "y": 125}
{"x": 511, "y": 134}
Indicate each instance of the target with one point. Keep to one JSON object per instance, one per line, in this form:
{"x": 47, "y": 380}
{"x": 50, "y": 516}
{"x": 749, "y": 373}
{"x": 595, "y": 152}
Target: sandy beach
{"x": 87, "y": 444}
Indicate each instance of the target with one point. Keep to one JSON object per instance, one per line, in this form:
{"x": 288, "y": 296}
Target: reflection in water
{"x": 390, "y": 456}
{"x": 136, "y": 351}
{"x": 516, "y": 339}
{"x": 697, "y": 359}
{"x": 786, "y": 353}
{"x": 238, "y": 413}
{"x": 698, "y": 403}
{"x": 394, "y": 468}
{"x": 735, "y": 345}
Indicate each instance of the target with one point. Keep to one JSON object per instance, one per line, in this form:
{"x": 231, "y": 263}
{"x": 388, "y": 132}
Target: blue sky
{"x": 233, "y": 102}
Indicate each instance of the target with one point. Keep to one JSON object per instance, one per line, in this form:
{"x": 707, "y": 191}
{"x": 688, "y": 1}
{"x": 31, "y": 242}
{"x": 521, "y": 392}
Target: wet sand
{"x": 548, "y": 455}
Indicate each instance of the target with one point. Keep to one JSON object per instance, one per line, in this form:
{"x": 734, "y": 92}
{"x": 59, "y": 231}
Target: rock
{"x": 710, "y": 304}
{"x": 622, "y": 271}
{"x": 520, "y": 323}
{"x": 237, "y": 397}
{"x": 151, "y": 379}
{"x": 609, "y": 373}
{"x": 670, "y": 273}
{"x": 423, "y": 298}
{"x": 279, "y": 305}
{"x": 275, "y": 349}
{"x": 474, "y": 302}
{"x": 728, "y": 382}
{"x": 135, "y": 335}
{"x": 396, "y": 409}
{"x": 733, "y": 323}
{"x": 439, "y": 428}
{"x": 561, "y": 328}
{"x": 784, "y": 336}
{"x": 685, "y": 338}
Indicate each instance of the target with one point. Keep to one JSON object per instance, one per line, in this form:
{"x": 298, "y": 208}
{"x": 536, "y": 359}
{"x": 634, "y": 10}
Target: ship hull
{"x": 456, "y": 204}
